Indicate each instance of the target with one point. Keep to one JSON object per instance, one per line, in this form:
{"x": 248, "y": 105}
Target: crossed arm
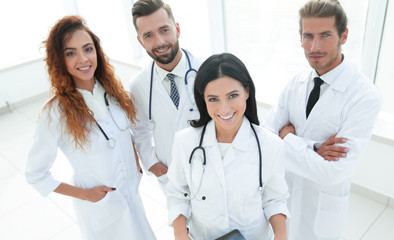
{"x": 328, "y": 150}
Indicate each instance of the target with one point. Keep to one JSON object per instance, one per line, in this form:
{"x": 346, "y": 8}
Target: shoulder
{"x": 361, "y": 85}
{"x": 188, "y": 133}
{"x": 268, "y": 138}
{"x": 196, "y": 59}
{"x": 302, "y": 76}
{"x": 50, "y": 109}
{"x": 296, "y": 81}
{"x": 141, "y": 78}
{"x": 49, "y": 116}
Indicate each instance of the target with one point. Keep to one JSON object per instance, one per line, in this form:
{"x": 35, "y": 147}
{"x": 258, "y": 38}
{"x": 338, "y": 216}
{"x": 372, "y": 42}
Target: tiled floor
{"x": 24, "y": 214}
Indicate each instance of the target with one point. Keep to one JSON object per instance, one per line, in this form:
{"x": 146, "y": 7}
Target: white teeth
{"x": 85, "y": 68}
{"x": 226, "y": 117}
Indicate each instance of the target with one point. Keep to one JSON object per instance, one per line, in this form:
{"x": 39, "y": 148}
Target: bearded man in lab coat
{"x": 164, "y": 103}
{"x": 325, "y": 139}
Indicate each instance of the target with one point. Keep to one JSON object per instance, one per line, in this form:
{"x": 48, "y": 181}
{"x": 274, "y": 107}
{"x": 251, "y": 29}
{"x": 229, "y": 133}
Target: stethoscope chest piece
{"x": 111, "y": 143}
{"x": 151, "y": 125}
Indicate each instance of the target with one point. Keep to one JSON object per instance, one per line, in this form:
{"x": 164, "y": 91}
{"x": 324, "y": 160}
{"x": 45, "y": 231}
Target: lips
{"x": 316, "y": 57}
{"x": 162, "y": 49}
{"x": 227, "y": 117}
{"x": 85, "y": 69}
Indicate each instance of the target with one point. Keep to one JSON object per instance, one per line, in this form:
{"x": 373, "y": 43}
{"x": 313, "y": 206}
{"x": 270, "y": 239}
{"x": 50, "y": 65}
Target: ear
{"x": 178, "y": 30}
{"x": 139, "y": 40}
{"x": 344, "y": 36}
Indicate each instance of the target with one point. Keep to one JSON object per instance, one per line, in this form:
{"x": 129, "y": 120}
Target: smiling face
{"x": 158, "y": 34}
{"x": 225, "y": 99}
{"x": 81, "y": 59}
{"x": 321, "y": 43}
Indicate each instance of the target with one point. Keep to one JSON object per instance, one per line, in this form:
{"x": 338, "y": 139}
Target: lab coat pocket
{"x": 103, "y": 213}
{"x": 330, "y": 215}
{"x": 163, "y": 178}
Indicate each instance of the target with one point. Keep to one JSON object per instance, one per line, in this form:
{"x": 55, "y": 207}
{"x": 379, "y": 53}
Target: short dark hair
{"x": 220, "y": 65}
{"x": 325, "y": 8}
{"x": 143, "y": 8}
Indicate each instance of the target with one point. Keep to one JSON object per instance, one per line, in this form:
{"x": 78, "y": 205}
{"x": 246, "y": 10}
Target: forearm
{"x": 90, "y": 194}
{"x": 278, "y": 223}
{"x": 71, "y": 191}
{"x": 180, "y": 229}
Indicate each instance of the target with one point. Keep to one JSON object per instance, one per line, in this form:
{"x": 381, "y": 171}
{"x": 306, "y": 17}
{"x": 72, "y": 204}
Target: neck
{"x": 226, "y": 135}
{"x": 170, "y": 66}
{"x": 85, "y": 85}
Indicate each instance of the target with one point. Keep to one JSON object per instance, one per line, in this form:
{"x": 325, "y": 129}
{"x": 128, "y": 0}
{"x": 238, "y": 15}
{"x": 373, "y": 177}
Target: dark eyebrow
{"x": 165, "y": 26}
{"x": 234, "y": 91}
{"x": 87, "y": 44}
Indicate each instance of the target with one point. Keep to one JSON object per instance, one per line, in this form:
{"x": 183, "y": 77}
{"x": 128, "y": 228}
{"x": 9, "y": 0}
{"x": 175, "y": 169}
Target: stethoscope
{"x": 111, "y": 141}
{"x": 203, "y": 159}
{"x": 151, "y": 124}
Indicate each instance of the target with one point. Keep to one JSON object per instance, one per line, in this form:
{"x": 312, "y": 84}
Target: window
{"x": 24, "y": 25}
{"x": 264, "y": 35}
{"x": 385, "y": 71}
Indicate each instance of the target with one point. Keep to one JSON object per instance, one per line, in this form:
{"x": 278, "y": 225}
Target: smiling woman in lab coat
{"x": 224, "y": 195}
{"x": 89, "y": 119}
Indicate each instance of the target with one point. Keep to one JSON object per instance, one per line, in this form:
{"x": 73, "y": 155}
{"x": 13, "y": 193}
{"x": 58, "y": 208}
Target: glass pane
{"x": 385, "y": 72}
{"x": 264, "y": 34}
{"x": 24, "y": 25}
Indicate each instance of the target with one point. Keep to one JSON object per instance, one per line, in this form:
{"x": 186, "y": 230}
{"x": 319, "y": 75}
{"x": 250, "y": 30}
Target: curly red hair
{"x": 77, "y": 116}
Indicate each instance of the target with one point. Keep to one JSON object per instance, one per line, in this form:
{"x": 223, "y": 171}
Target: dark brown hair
{"x": 74, "y": 111}
{"x": 216, "y": 66}
{"x": 147, "y": 7}
{"x": 325, "y": 8}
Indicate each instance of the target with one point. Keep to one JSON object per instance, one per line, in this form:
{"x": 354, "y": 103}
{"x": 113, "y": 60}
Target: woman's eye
{"x": 68, "y": 54}
{"x": 212, "y": 99}
{"x": 233, "y": 95}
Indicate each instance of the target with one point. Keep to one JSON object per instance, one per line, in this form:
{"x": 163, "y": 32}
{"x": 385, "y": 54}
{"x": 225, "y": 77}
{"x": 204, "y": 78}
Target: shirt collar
{"x": 333, "y": 77}
{"x": 179, "y": 70}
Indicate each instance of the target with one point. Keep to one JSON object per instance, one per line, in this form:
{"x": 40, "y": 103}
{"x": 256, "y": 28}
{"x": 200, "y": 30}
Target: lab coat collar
{"x": 336, "y": 77}
{"x": 97, "y": 89}
{"x": 239, "y": 142}
{"x": 179, "y": 69}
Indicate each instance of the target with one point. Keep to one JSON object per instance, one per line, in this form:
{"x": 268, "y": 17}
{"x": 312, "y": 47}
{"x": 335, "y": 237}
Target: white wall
{"x": 23, "y": 82}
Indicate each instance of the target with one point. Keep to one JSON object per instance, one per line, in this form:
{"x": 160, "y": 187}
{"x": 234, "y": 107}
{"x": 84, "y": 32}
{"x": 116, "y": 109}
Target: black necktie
{"x": 174, "y": 94}
{"x": 314, "y": 96}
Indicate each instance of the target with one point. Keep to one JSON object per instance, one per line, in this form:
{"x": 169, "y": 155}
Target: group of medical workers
{"x": 194, "y": 125}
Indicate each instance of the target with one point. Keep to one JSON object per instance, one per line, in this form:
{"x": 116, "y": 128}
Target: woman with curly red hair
{"x": 88, "y": 119}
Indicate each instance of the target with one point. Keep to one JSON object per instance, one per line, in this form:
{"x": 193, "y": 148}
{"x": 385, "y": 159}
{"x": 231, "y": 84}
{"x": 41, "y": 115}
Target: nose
{"x": 224, "y": 108}
{"x": 159, "y": 40}
{"x": 315, "y": 45}
{"x": 82, "y": 57}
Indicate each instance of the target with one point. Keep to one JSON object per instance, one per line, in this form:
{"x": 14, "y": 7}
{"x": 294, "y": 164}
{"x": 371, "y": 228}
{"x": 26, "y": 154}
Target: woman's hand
{"x": 93, "y": 194}
{"x": 96, "y": 194}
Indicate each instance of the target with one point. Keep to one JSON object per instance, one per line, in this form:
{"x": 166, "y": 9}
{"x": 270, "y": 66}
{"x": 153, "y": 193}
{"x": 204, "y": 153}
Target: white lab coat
{"x": 230, "y": 186}
{"x": 156, "y": 146}
{"x": 320, "y": 189}
{"x": 120, "y": 214}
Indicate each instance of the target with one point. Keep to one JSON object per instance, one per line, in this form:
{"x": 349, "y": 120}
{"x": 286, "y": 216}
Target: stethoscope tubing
{"x": 111, "y": 141}
{"x": 200, "y": 147}
{"x": 191, "y": 69}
